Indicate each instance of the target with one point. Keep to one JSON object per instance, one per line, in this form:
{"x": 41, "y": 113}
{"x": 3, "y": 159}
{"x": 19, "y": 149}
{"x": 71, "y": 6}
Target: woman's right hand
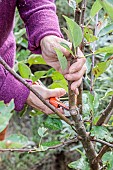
{"x": 36, "y": 103}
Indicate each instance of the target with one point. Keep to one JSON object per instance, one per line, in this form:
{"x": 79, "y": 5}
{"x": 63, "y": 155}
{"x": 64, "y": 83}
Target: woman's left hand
{"x": 74, "y": 72}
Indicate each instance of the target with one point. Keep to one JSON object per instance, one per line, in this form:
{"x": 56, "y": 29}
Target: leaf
{"x": 38, "y": 75}
{"x": 53, "y": 123}
{"x": 95, "y": 8}
{"x": 20, "y": 33}
{"x": 67, "y": 33}
{"x": 72, "y": 4}
{"x": 5, "y": 114}
{"x": 107, "y": 159}
{"x": 106, "y": 30}
{"x": 62, "y": 59}
{"x": 24, "y": 70}
{"x": 80, "y": 164}
{"x": 51, "y": 143}
{"x": 22, "y": 55}
{"x": 78, "y": 1}
{"x": 108, "y": 7}
{"x": 88, "y": 34}
{"x": 100, "y": 68}
{"x": 108, "y": 93}
{"x": 88, "y": 65}
{"x": 101, "y": 133}
{"x": 67, "y": 47}
{"x": 75, "y": 32}
{"x": 58, "y": 81}
{"x": 41, "y": 131}
{"x": 36, "y": 59}
{"x": 14, "y": 141}
{"x": 107, "y": 49}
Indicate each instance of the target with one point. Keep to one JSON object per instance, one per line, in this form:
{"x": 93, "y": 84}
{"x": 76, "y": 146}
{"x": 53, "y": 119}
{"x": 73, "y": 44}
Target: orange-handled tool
{"x": 56, "y": 102}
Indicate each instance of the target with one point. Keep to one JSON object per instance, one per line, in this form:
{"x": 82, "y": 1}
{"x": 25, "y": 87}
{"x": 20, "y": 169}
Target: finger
{"x": 76, "y": 91}
{"x": 77, "y": 65}
{"x": 77, "y": 75}
{"x": 58, "y": 92}
{"x": 76, "y": 84}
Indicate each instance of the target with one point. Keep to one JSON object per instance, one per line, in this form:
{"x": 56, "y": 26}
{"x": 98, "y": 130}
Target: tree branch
{"x": 93, "y": 57}
{"x": 35, "y": 92}
{"x": 103, "y": 142}
{"x": 101, "y": 153}
{"x": 105, "y": 113}
{"x": 75, "y": 140}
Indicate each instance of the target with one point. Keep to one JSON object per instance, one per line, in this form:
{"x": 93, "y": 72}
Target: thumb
{"x": 58, "y": 92}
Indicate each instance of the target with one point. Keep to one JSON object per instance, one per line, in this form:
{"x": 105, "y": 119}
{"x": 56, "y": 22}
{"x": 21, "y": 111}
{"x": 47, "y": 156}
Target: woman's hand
{"x": 33, "y": 100}
{"x": 74, "y": 72}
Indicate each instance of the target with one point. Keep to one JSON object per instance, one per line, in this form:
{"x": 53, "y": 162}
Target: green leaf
{"x": 108, "y": 7}
{"x": 108, "y": 49}
{"x": 88, "y": 65}
{"x": 107, "y": 159}
{"x": 58, "y": 81}
{"x": 62, "y": 59}
{"x": 95, "y": 8}
{"x": 20, "y": 33}
{"x": 24, "y": 70}
{"x": 51, "y": 143}
{"x": 5, "y": 114}
{"x": 101, "y": 133}
{"x": 67, "y": 47}
{"x": 78, "y": 1}
{"x": 100, "y": 68}
{"x": 72, "y": 4}
{"x": 108, "y": 93}
{"x": 67, "y": 33}
{"x": 88, "y": 34}
{"x": 42, "y": 131}
{"x": 22, "y": 55}
{"x": 36, "y": 59}
{"x": 14, "y": 141}
{"x": 38, "y": 75}
{"x": 53, "y": 123}
{"x": 106, "y": 30}
{"x": 80, "y": 164}
{"x": 75, "y": 32}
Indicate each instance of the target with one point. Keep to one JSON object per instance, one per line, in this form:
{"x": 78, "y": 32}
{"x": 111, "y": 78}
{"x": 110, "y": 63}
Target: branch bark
{"x": 105, "y": 113}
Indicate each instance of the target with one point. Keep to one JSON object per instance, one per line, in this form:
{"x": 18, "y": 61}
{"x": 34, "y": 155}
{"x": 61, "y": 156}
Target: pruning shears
{"x": 56, "y": 102}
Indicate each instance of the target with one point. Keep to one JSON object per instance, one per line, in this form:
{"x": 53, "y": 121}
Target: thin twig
{"x": 105, "y": 113}
{"x": 35, "y": 92}
{"x": 101, "y": 153}
{"x": 75, "y": 140}
{"x": 108, "y": 117}
{"x": 103, "y": 142}
{"x": 93, "y": 56}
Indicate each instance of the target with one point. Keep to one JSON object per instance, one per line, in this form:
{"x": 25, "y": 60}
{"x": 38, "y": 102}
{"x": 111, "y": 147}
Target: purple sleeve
{"x": 10, "y": 88}
{"x": 40, "y": 20}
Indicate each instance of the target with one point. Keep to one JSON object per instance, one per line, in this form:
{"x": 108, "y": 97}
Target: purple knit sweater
{"x": 40, "y": 20}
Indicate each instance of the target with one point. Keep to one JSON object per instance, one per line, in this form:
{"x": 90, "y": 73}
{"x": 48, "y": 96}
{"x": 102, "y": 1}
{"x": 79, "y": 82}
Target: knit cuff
{"x": 44, "y": 24}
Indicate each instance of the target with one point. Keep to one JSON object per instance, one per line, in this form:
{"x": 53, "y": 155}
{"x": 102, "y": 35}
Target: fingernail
{"x": 71, "y": 71}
